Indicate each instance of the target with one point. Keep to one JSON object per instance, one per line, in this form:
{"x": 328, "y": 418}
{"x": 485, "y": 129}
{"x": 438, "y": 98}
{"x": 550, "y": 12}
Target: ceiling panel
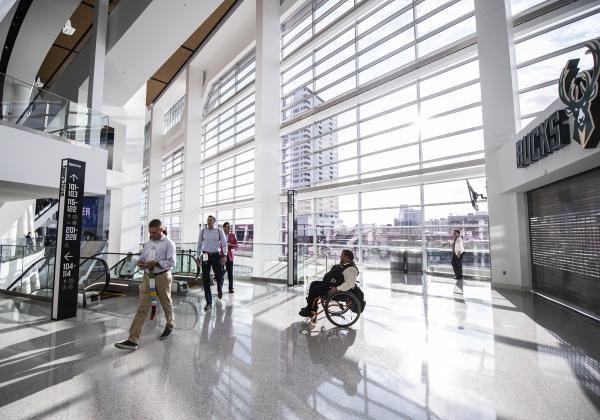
{"x": 153, "y": 89}
{"x": 170, "y": 68}
{"x": 81, "y": 20}
{"x": 53, "y": 60}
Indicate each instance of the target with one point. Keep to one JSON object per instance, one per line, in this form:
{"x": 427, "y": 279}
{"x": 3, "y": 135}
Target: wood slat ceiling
{"x": 167, "y": 72}
{"x": 66, "y": 47}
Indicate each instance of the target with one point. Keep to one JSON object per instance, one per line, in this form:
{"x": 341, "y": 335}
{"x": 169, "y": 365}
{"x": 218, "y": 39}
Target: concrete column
{"x": 98, "y": 43}
{"x": 195, "y": 80}
{"x": 267, "y": 143}
{"x": 125, "y": 180}
{"x": 507, "y": 212}
{"x": 95, "y": 95}
{"x": 156, "y": 154}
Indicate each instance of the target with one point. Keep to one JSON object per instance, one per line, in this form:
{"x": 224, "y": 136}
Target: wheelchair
{"x": 342, "y": 309}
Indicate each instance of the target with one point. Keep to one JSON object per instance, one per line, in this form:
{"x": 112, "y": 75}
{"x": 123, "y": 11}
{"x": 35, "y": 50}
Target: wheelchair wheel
{"x": 342, "y": 309}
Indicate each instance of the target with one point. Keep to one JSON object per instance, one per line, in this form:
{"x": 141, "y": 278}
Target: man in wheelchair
{"x": 341, "y": 278}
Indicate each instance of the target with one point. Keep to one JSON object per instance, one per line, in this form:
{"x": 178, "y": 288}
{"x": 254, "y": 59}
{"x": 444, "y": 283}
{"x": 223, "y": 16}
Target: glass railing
{"x": 28, "y": 106}
{"x": 253, "y": 260}
{"x": 15, "y": 252}
{"x": 38, "y": 278}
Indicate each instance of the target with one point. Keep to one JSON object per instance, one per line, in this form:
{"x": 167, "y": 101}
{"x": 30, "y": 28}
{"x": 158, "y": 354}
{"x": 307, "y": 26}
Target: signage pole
{"x": 68, "y": 239}
{"x": 292, "y": 236}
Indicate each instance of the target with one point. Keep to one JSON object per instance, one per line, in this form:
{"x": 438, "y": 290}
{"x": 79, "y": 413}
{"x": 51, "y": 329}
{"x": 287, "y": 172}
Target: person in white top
{"x": 458, "y": 249}
{"x": 211, "y": 253}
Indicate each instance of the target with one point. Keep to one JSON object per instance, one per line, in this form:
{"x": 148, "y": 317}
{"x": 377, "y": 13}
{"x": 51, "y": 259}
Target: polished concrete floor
{"x": 421, "y": 350}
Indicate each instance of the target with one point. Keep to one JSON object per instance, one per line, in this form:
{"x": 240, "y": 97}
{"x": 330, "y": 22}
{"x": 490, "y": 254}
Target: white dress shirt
{"x": 458, "y": 246}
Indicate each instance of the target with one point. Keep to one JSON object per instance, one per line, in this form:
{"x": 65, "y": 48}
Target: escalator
{"x": 101, "y": 276}
{"x": 37, "y": 280}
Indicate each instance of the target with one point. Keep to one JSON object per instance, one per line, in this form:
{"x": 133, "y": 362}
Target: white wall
{"x": 16, "y": 219}
{"x": 159, "y": 30}
{"x": 124, "y": 181}
{"x": 42, "y": 24}
{"x": 31, "y": 168}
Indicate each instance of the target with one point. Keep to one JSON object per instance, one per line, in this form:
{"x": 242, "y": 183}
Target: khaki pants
{"x": 163, "y": 291}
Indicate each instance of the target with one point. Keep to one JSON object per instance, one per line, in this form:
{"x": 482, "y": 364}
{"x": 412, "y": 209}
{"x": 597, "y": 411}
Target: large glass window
{"x": 172, "y": 224}
{"x": 235, "y": 79}
{"x": 172, "y": 164}
{"x": 241, "y": 220}
{"x": 144, "y": 203}
{"x": 542, "y": 52}
{"x": 434, "y": 121}
{"x": 382, "y": 226}
{"x": 229, "y": 126}
{"x": 377, "y": 41}
{"x": 171, "y": 191}
{"x": 171, "y": 194}
{"x": 173, "y": 115}
{"x": 229, "y": 180}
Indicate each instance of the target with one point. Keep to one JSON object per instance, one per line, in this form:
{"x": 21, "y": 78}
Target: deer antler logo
{"x": 578, "y": 91}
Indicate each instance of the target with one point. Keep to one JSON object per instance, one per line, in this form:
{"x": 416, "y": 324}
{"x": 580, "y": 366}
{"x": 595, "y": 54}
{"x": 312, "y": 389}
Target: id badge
{"x": 204, "y": 256}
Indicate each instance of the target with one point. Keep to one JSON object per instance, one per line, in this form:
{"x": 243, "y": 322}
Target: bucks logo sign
{"x": 578, "y": 91}
{"x": 580, "y": 120}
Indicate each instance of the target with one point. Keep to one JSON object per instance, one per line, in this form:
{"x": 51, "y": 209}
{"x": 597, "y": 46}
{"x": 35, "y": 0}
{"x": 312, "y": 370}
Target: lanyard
{"x": 152, "y": 295}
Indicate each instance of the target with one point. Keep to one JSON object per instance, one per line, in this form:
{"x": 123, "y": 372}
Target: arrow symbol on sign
{"x": 68, "y": 256}
{"x": 74, "y": 177}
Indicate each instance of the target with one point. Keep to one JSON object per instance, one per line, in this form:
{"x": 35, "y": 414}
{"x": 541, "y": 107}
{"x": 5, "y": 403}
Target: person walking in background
{"x": 231, "y": 245}
{"x": 458, "y": 249}
{"x": 157, "y": 260}
{"x": 211, "y": 242}
{"x": 29, "y": 243}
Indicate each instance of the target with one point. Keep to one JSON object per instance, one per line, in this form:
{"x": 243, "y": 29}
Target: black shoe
{"x": 208, "y": 306}
{"x": 166, "y": 333}
{"x": 230, "y": 290}
{"x": 127, "y": 345}
{"x": 220, "y": 294}
{"x": 305, "y": 312}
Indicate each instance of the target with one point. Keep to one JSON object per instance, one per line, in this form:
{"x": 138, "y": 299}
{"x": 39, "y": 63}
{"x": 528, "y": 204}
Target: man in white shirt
{"x": 458, "y": 249}
{"x": 211, "y": 253}
{"x": 157, "y": 260}
{"x": 341, "y": 278}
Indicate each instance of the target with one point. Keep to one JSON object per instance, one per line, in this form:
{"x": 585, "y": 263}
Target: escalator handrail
{"x": 81, "y": 261}
{"x": 180, "y": 252}
{"x": 44, "y": 258}
{"x": 45, "y": 210}
{"x": 106, "y": 271}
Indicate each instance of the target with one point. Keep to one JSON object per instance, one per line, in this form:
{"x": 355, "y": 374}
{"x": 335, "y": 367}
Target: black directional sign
{"x": 66, "y": 267}
{"x": 292, "y": 240}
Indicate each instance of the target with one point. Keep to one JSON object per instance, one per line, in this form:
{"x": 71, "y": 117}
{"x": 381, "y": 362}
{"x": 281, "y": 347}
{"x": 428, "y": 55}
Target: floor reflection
{"x": 425, "y": 348}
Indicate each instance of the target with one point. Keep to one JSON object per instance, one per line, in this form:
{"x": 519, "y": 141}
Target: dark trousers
{"x": 214, "y": 262}
{"x": 317, "y": 289}
{"x": 457, "y": 266}
{"x": 229, "y": 270}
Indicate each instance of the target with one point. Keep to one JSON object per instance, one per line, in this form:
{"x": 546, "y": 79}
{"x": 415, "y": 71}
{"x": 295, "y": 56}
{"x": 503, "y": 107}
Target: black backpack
{"x": 357, "y": 291}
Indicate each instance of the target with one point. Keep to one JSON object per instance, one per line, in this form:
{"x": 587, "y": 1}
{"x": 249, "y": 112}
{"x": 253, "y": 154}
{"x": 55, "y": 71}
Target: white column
{"x": 126, "y": 177}
{"x": 507, "y": 212}
{"x": 267, "y": 143}
{"x": 156, "y": 154}
{"x": 98, "y": 43}
{"x": 193, "y": 148}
